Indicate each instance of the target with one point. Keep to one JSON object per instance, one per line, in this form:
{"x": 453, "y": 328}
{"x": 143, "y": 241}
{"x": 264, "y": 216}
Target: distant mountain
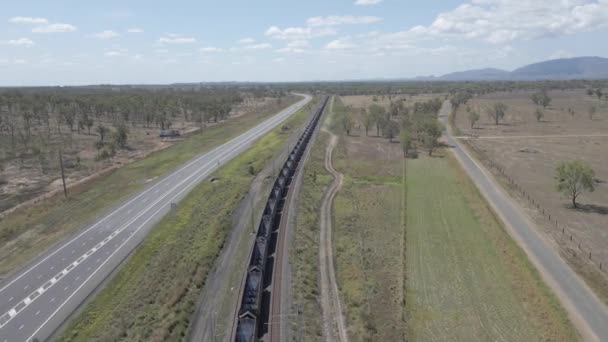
{"x": 478, "y": 74}
{"x": 571, "y": 68}
{"x": 557, "y": 69}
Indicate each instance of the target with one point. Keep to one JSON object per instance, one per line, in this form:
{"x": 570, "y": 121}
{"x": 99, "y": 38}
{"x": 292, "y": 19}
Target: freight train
{"x": 249, "y": 322}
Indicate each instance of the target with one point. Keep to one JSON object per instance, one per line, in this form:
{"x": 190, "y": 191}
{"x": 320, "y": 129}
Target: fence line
{"x": 584, "y": 250}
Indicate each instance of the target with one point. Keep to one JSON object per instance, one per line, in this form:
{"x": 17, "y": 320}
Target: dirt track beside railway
{"x": 333, "y": 318}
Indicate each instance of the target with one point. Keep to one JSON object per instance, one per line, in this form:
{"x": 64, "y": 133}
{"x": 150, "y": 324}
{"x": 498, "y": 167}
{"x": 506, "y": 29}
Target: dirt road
{"x": 333, "y": 318}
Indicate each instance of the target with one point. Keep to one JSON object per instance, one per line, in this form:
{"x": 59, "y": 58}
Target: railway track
{"x": 258, "y": 317}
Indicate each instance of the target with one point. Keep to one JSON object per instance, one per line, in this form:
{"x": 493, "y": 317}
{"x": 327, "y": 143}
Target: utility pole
{"x": 65, "y": 189}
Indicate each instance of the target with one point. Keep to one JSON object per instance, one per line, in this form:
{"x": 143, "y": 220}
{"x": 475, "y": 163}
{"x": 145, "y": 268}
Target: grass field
{"x": 466, "y": 279}
{"x": 152, "y": 297}
{"x": 27, "y": 232}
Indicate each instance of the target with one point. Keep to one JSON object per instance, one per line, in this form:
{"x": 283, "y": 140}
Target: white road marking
{"x": 77, "y": 278}
{"x": 65, "y": 288}
{"x": 73, "y": 251}
{"x": 231, "y": 147}
{"x": 40, "y": 276}
{"x": 21, "y": 327}
{"x": 52, "y": 268}
{"x": 129, "y": 211}
{"x": 37, "y": 313}
{"x": 25, "y": 287}
{"x": 52, "y": 299}
{"x": 88, "y": 268}
{"x": 83, "y": 244}
{"x": 255, "y": 132}
{"x": 10, "y": 299}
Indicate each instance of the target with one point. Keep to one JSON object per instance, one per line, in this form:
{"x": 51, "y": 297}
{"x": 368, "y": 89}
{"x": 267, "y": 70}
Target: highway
{"x": 39, "y": 298}
{"x": 588, "y": 314}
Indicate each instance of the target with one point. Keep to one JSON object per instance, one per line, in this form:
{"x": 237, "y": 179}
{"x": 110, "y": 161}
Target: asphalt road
{"x": 38, "y": 299}
{"x": 586, "y": 311}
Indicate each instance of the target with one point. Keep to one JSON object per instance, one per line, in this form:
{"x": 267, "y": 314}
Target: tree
{"x": 376, "y": 113}
{"x": 390, "y": 129}
{"x": 406, "y": 141}
{"x": 88, "y": 121}
{"x": 121, "y": 135}
{"x": 573, "y": 178}
{"x": 497, "y": 112}
{"x": 368, "y": 119}
{"x": 541, "y": 99}
{"x": 590, "y": 92}
{"x": 102, "y": 130}
{"x": 431, "y": 133}
{"x": 539, "y": 114}
{"x": 346, "y": 122}
{"x": 592, "y": 111}
{"x": 598, "y": 93}
{"x": 473, "y": 118}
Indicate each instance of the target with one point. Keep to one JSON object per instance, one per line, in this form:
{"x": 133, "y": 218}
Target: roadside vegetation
{"x": 153, "y": 296}
{"x": 27, "y": 231}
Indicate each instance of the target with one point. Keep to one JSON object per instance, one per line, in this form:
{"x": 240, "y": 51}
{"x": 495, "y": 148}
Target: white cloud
{"x": 339, "y": 45}
{"x": 54, "y": 28}
{"x": 176, "y": 39}
{"x": 367, "y": 2}
{"x": 28, "y": 20}
{"x": 296, "y": 46}
{"x": 135, "y": 30}
{"x": 299, "y": 33}
{"x": 246, "y": 41}
{"x": 107, "y": 34}
{"x": 279, "y": 60}
{"x": 20, "y": 42}
{"x": 210, "y": 49}
{"x": 262, "y": 46}
{"x": 318, "y": 27}
{"x": 335, "y": 20}
{"x": 494, "y": 21}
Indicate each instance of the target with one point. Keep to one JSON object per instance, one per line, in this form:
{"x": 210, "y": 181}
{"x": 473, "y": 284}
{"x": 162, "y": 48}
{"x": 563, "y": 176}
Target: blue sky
{"x": 90, "y": 42}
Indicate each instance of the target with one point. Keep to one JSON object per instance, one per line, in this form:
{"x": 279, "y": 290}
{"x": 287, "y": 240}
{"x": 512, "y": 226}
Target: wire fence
{"x": 578, "y": 248}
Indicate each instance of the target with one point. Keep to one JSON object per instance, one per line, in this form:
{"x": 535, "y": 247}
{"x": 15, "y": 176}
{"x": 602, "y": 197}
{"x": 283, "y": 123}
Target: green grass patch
{"x": 153, "y": 296}
{"x": 466, "y": 279}
{"x": 26, "y": 232}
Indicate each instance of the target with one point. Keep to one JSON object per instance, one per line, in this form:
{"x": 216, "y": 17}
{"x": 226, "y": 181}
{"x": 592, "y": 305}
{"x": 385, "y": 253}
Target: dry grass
{"x": 531, "y": 162}
{"x": 369, "y": 237}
